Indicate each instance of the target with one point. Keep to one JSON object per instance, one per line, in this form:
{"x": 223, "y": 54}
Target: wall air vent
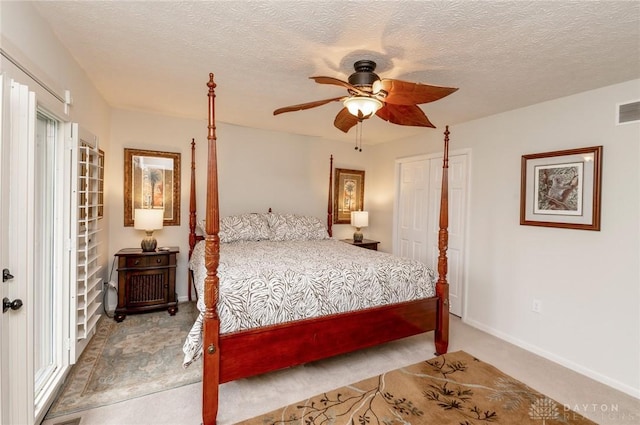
{"x": 628, "y": 112}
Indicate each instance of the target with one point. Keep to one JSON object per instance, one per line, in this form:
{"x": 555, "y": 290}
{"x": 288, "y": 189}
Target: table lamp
{"x": 148, "y": 220}
{"x": 359, "y": 219}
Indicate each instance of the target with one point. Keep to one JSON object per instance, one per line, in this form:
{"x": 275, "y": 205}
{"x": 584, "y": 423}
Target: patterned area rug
{"x": 139, "y": 356}
{"x": 453, "y": 389}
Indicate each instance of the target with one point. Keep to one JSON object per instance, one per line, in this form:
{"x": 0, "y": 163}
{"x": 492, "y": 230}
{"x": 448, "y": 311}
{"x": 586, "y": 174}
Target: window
{"x": 48, "y": 285}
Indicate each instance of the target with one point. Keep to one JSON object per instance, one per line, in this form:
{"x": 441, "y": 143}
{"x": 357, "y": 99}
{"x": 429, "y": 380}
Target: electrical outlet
{"x": 536, "y": 306}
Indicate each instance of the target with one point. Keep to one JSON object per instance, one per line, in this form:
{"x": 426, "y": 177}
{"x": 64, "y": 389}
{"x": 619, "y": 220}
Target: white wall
{"x": 257, "y": 170}
{"x": 588, "y": 282}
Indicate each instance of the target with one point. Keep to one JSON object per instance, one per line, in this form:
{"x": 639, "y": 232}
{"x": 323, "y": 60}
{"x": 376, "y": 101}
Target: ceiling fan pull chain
{"x": 359, "y": 136}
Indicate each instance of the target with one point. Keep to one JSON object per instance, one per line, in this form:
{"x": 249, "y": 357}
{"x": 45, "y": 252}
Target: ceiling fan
{"x": 392, "y": 100}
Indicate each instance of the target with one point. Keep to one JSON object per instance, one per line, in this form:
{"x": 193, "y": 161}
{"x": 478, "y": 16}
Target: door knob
{"x": 13, "y": 305}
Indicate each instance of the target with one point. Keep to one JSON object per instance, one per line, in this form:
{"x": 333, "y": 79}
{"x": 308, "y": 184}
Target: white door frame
{"x": 396, "y": 208}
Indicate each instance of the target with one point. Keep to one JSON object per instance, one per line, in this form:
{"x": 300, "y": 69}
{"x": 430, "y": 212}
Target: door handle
{"x": 6, "y": 275}
{"x": 13, "y": 305}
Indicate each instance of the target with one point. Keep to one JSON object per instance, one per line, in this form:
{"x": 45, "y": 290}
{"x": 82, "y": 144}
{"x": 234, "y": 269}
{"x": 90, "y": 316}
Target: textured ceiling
{"x": 156, "y": 56}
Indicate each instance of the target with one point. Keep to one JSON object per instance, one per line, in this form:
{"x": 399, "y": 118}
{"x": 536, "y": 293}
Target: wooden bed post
{"x": 330, "y": 206}
{"x": 192, "y": 211}
{"x": 211, "y": 356}
{"x": 442, "y": 287}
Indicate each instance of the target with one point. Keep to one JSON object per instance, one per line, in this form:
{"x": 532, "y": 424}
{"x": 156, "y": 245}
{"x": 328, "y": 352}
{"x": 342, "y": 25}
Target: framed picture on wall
{"x": 152, "y": 180}
{"x": 562, "y": 189}
{"x": 348, "y": 194}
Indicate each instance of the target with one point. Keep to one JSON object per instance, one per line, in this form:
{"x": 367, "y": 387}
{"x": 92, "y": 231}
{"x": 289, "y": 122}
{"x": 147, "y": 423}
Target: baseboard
{"x": 620, "y": 386}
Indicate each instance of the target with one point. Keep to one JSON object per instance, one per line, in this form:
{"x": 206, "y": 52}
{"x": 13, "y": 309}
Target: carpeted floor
{"x": 452, "y": 389}
{"x": 247, "y": 398}
{"x": 136, "y": 357}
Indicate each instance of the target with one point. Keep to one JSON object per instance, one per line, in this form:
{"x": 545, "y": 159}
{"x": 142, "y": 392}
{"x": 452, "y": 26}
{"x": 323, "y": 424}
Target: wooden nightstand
{"x": 366, "y": 243}
{"x": 146, "y": 281}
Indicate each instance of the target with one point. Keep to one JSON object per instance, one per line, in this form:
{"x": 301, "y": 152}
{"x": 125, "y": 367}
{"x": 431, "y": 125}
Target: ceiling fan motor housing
{"x": 364, "y": 75}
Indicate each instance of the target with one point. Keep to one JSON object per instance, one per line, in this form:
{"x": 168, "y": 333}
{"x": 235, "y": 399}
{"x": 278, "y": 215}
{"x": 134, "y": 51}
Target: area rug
{"x": 452, "y": 389}
{"x": 136, "y": 357}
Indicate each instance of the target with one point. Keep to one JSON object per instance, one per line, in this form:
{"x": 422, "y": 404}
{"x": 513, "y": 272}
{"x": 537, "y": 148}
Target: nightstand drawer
{"x": 148, "y": 261}
{"x": 137, "y": 261}
{"x": 158, "y": 260}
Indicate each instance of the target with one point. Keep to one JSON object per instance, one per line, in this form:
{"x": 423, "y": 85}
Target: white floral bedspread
{"x": 267, "y": 282}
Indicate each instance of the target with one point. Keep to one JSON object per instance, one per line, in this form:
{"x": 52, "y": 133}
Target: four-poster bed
{"x": 244, "y": 353}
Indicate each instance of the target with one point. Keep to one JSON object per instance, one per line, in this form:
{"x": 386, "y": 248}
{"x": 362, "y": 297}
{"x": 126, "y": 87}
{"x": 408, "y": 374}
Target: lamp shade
{"x": 365, "y": 105}
{"x": 359, "y": 218}
{"x": 148, "y": 219}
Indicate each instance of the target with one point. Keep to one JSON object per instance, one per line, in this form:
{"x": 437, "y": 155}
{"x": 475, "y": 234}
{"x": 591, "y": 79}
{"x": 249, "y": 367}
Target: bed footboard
{"x": 256, "y": 351}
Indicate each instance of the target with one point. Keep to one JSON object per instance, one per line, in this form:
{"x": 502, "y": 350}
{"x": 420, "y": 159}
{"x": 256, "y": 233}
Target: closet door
{"x": 411, "y": 226}
{"x": 417, "y": 215}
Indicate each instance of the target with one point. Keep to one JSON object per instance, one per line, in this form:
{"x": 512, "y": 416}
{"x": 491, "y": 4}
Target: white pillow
{"x": 243, "y": 227}
{"x": 288, "y": 227}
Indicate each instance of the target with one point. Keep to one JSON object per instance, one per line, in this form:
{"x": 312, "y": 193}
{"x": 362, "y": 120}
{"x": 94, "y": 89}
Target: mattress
{"x": 270, "y": 282}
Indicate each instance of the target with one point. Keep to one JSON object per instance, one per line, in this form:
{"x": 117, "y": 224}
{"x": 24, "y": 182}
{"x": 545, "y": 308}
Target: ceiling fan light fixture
{"x": 362, "y": 106}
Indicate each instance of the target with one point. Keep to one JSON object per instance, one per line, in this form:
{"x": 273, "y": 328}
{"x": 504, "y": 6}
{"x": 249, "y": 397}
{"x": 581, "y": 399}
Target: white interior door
{"x": 412, "y": 213}
{"x": 419, "y": 180}
{"x": 4, "y": 259}
{"x": 18, "y": 118}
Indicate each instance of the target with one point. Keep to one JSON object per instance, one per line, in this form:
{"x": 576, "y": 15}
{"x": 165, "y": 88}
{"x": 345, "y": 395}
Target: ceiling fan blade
{"x": 344, "y": 120}
{"x": 404, "y": 115}
{"x": 308, "y": 105}
{"x": 337, "y": 82}
{"x": 405, "y": 93}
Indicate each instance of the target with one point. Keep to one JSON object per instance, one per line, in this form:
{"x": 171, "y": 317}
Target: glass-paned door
{"x": 48, "y": 246}
{"x": 34, "y": 246}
